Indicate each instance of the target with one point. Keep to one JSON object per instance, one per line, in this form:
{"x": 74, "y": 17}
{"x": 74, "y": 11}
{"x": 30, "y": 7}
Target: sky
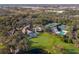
{"x": 39, "y": 1}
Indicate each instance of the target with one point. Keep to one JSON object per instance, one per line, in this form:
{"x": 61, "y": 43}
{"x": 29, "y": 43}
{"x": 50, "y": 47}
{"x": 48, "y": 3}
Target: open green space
{"x": 53, "y": 44}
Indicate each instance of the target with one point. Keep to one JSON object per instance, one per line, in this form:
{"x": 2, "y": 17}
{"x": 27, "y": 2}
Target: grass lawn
{"x": 53, "y": 44}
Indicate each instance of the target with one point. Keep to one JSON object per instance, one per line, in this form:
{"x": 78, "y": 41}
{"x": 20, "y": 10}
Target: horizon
{"x": 40, "y": 5}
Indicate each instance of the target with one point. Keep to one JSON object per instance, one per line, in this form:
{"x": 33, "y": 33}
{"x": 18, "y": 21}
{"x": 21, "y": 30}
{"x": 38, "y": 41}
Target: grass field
{"x": 53, "y": 44}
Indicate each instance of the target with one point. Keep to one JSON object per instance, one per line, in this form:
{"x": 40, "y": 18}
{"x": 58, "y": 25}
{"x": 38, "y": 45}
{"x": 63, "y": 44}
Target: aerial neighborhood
{"x": 39, "y": 29}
